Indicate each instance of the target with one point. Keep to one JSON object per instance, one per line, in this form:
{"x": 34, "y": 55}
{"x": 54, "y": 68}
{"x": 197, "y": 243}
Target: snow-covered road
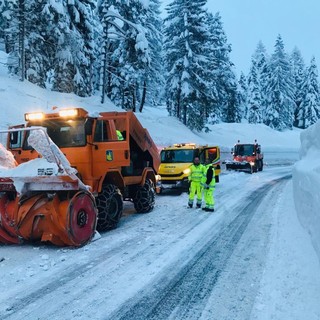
{"x": 175, "y": 263}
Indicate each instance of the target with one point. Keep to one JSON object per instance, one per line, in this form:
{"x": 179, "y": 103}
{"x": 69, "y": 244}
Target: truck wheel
{"x": 255, "y": 167}
{"x": 110, "y": 205}
{"x": 261, "y": 165}
{"x": 144, "y": 198}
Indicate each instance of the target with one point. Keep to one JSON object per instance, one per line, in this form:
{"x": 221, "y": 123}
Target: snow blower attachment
{"x": 43, "y": 199}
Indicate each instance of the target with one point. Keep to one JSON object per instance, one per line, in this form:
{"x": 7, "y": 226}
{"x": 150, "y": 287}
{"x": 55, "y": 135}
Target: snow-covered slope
{"x": 19, "y": 97}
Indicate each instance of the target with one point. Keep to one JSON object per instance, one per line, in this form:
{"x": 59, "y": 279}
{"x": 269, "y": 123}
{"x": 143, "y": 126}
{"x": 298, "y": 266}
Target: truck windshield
{"x": 244, "y": 150}
{"x": 177, "y": 156}
{"x": 64, "y": 134}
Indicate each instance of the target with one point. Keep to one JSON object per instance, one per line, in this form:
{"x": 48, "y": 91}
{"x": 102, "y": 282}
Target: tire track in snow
{"x": 43, "y": 293}
{"x": 184, "y": 294}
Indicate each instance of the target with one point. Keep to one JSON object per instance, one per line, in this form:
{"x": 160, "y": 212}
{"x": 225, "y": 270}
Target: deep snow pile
{"x": 306, "y": 183}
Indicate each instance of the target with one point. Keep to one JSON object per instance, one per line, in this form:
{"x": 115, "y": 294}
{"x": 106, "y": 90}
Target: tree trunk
{"x": 134, "y": 99}
{"x": 144, "y": 94}
{"x": 104, "y": 66}
{"x": 21, "y": 38}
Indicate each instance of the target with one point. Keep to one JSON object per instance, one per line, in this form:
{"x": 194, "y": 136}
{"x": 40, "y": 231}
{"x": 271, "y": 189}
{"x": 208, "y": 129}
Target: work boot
{"x": 210, "y": 210}
{"x": 205, "y": 208}
{"x": 198, "y": 205}
{"x": 190, "y": 205}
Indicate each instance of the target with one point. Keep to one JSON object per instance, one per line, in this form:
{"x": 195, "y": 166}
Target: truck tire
{"x": 110, "y": 206}
{"x": 144, "y": 198}
{"x": 261, "y": 165}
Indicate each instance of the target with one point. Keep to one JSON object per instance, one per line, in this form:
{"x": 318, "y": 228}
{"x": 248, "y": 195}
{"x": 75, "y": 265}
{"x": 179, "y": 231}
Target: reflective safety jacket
{"x": 119, "y": 135}
{"x": 208, "y": 177}
{"x": 196, "y": 173}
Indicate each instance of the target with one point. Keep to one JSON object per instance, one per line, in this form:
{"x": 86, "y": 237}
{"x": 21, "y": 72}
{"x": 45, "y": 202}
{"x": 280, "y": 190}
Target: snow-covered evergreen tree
{"x": 227, "y": 103}
{"x": 74, "y": 39}
{"x": 242, "y": 95}
{"x": 260, "y": 59}
{"x": 299, "y": 78}
{"x": 7, "y": 15}
{"x": 155, "y": 80}
{"x": 187, "y": 51}
{"x": 254, "y": 95}
{"x": 280, "y": 90}
{"x": 309, "y": 111}
{"x": 53, "y": 37}
{"x": 128, "y": 50}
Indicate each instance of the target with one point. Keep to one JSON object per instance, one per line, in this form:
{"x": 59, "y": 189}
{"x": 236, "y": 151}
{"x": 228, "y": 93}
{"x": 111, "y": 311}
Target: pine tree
{"x": 309, "y": 111}
{"x": 53, "y": 38}
{"x": 155, "y": 71}
{"x": 187, "y": 52}
{"x": 73, "y": 36}
{"x": 242, "y": 96}
{"x": 12, "y": 22}
{"x": 260, "y": 58}
{"x": 299, "y": 78}
{"x": 127, "y": 50}
{"x": 227, "y": 103}
{"x": 280, "y": 90}
{"x": 254, "y": 95}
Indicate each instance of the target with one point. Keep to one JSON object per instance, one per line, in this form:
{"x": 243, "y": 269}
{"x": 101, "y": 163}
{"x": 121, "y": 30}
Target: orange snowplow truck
{"x": 247, "y": 157}
{"x": 112, "y": 158}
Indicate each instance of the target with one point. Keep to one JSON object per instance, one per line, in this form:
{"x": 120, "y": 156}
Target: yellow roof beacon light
{"x": 34, "y": 116}
{"x": 69, "y": 113}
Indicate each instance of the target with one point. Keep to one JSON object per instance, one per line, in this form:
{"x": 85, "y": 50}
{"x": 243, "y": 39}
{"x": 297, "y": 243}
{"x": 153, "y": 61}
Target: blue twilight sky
{"x": 248, "y": 21}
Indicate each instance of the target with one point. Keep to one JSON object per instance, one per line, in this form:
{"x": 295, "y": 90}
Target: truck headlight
{"x": 251, "y": 163}
{"x": 186, "y": 171}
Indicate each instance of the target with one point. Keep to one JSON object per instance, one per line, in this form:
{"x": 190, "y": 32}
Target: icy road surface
{"x": 176, "y": 263}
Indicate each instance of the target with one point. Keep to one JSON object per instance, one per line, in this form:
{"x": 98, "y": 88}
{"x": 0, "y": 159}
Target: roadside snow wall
{"x": 306, "y": 183}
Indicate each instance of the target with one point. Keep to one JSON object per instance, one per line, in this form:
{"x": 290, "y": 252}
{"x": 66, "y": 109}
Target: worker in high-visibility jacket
{"x": 208, "y": 182}
{"x": 119, "y": 135}
{"x": 195, "y": 176}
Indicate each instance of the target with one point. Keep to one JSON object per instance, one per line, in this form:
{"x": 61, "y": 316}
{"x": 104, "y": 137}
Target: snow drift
{"x": 306, "y": 183}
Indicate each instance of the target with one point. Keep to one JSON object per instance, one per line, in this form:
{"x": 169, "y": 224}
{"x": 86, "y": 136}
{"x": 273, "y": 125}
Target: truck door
{"x": 213, "y": 154}
{"x": 110, "y": 151}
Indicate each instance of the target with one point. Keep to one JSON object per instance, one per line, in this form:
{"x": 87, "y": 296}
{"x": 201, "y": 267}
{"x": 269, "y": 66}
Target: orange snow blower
{"x": 43, "y": 199}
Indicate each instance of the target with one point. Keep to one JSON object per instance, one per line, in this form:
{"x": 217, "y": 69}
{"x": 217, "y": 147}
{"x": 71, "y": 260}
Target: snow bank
{"x": 7, "y": 160}
{"x": 53, "y": 162}
{"x": 306, "y": 183}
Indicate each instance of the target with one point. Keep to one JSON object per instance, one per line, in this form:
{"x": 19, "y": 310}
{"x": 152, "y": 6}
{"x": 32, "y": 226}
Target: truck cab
{"x": 247, "y": 157}
{"x": 176, "y": 161}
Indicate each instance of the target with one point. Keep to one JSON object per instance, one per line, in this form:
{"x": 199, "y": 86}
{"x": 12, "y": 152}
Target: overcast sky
{"x": 248, "y": 21}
